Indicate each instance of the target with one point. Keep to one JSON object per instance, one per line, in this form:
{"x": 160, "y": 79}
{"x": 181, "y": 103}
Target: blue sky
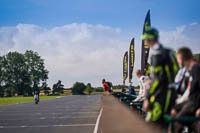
{"x": 85, "y": 40}
{"x": 126, "y": 14}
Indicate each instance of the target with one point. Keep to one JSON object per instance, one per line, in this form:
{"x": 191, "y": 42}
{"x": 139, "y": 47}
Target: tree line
{"x": 80, "y": 88}
{"x": 25, "y": 73}
{"x": 22, "y": 74}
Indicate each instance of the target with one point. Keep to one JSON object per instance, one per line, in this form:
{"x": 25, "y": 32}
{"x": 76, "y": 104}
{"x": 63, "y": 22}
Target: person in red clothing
{"x": 106, "y": 87}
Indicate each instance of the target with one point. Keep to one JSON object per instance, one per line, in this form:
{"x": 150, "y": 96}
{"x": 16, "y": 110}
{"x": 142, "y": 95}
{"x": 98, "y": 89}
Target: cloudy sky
{"x": 85, "y": 40}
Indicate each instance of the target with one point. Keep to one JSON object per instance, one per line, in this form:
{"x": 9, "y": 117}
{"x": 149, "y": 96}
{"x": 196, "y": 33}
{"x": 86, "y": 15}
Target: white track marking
{"x": 31, "y": 114}
{"x": 43, "y": 118}
{"x": 86, "y": 112}
{"x": 97, "y": 122}
{"x": 40, "y": 126}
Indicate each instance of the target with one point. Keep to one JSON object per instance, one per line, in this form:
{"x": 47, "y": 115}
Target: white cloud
{"x": 186, "y": 35}
{"x": 194, "y": 23}
{"x": 85, "y": 52}
{"x": 73, "y": 52}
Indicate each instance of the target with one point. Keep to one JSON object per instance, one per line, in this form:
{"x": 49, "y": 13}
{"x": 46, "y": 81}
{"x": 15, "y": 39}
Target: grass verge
{"x": 21, "y": 99}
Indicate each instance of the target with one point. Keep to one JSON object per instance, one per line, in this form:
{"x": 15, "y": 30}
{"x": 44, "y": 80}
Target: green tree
{"x": 58, "y": 87}
{"x": 45, "y": 88}
{"x": 36, "y": 69}
{"x": 14, "y": 68}
{"x": 2, "y": 73}
{"x": 21, "y": 73}
{"x": 78, "y": 88}
{"x": 197, "y": 56}
{"x": 89, "y": 88}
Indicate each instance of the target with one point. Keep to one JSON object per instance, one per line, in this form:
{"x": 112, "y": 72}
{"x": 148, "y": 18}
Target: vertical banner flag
{"x": 125, "y": 67}
{"x": 131, "y": 59}
{"x": 145, "y": 47}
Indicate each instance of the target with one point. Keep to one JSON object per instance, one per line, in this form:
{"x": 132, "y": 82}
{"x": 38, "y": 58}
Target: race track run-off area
{"x": 70, "y": 114}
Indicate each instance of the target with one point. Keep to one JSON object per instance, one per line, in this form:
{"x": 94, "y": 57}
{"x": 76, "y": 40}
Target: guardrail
{"x": 126, "y": 99}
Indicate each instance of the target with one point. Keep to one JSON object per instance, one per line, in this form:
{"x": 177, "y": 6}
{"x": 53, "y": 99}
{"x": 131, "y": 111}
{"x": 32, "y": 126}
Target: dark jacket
{"x": 164, "y": 69}
{"x": 194, "y": 94}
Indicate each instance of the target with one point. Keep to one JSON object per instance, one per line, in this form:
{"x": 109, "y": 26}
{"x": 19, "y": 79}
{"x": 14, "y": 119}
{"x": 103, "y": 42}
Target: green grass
{"x": 119, "y": 90}
{"x": 14, "y": 100}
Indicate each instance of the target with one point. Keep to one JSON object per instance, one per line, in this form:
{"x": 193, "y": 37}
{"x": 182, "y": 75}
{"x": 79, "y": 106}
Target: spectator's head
{"x": 139, "y": 73}
{"x": 150, "y": 37}
{"x": 184, "y": 57}
{"x": 103, "y": 81}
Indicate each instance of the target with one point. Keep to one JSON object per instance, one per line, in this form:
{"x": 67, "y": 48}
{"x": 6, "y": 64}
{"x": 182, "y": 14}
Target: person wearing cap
{"x": 161, "y": 95}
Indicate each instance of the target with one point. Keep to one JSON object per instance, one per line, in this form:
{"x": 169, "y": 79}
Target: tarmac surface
{"x": 70, "y": 114}
{"x": 118, "y": 118}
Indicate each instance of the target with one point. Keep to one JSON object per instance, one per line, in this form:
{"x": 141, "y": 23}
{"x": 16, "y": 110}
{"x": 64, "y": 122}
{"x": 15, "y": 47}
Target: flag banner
{"x": 125, "y": 67}
{"x": 131, "y": 60}
{"x": 145, "y": 47}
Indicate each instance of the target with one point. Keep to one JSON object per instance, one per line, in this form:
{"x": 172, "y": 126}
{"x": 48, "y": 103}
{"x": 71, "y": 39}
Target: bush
{"x": 53, "y": 94}
{"x": 78, "y": 88}
{"x": 89, "y": 88}
{"x": 99, "y": 89}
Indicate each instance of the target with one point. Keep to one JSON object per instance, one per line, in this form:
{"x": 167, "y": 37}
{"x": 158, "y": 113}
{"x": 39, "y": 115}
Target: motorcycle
{"x": 36, "y": 98}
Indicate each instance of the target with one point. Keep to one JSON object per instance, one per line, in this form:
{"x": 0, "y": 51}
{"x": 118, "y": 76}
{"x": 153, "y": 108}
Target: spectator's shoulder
{"x": 195, "y": 69}
{"x": 160, "y": 55}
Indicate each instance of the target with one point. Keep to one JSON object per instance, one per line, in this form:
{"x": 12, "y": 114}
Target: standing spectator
{"x": 106, "y": 87}
{"x": 164, "y": 68}
{"x": 142, "y": 80}
{"x": 190, "y": 104}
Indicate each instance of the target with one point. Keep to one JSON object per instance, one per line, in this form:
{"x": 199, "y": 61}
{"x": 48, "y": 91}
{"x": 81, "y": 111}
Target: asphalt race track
{"x": 70, "y": 114}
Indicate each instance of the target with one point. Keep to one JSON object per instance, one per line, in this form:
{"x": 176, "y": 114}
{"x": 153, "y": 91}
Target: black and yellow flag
{"x": 125, "y": 67}
{"x": 145, "y": 47}
{"x": 131, "y": 59}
